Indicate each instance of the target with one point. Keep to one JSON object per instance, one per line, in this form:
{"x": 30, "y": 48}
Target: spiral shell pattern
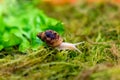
{"x": 51, "y": 37}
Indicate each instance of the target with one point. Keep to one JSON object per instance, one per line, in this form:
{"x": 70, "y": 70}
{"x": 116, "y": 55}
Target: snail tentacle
{"x": 79, "y": 43}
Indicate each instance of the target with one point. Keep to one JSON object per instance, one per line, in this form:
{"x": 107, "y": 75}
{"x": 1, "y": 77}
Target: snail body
{"x": 54, "y": 40}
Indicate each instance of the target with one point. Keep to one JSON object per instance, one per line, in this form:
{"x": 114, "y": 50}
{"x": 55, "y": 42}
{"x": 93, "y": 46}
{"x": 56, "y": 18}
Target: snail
{"x": 53, "y": 39}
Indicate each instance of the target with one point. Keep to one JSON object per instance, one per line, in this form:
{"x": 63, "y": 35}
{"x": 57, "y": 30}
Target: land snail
{"x": 53, "y": 39}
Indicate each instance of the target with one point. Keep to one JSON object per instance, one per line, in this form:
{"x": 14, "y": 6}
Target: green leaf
{"x": 1, "y": 47}
{"x": 21, "y": 24}
{"x": 24, "y": 46}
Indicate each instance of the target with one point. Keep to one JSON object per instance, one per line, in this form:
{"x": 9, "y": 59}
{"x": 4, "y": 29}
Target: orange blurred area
{"x": 116, "y": 1}
{"x": 60, "y": 2}
{"x": 63, "y": 2}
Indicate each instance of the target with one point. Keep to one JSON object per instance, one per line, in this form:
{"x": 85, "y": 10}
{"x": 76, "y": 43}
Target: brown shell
{"x": 51, "y": 37}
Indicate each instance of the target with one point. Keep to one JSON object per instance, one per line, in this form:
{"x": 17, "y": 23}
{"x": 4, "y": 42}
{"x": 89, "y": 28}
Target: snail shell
{"x": 51, "y": 37}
